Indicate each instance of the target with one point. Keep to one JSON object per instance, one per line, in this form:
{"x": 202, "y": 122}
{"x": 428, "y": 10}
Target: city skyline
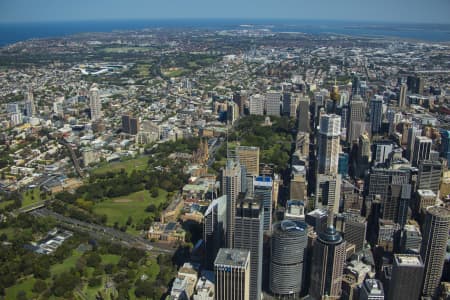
{"x": 434, "y": 11}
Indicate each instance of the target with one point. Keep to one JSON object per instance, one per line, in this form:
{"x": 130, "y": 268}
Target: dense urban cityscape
{"x": 227, "y": 164}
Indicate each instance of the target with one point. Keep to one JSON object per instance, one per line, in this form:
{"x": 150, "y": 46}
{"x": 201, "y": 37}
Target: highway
{"x": 103, "y": 232}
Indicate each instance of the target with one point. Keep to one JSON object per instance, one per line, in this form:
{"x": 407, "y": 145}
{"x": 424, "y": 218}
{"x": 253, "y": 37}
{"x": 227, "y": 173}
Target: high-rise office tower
{"x": 214, "y": 229}
{"x": 328, "y": 144}
{"x": 386, "y": 184}
{"x": 412, "y": 133}
{"x": 403, "y": 205}
{"x": 371, "y": 289}
{"x": 231, "y": 187}
{"x": 434, "y": 244}
{"x": 289, "y": 242}
{"x": 383, "y": 150}
{"x": 94, "y": 103}
{"x": 30, "y": 106}
{"x": 272, "y": 100}
{"x": 357, "y": 113}
{"x": 303, "y": 114}
{"x": 317, "y": 219}
{"x": 263, "y": 186}
{"x": 248, "y": 235}
{"x": 411, "y": 238}
{"x": 415, "y": 84}
{"x": 295, "y": 210}
{"x": 407, "y": 276}
{"x": 239, "y": 99}
{"x": 249, "y": 157}
{"x": 402, "y": 97}
{"x": 445, "y": 144}
{"x": 288, "y": 98}
{"x": 130, "y": 125}
{"x": 232, "y": 274}
{"x": 256, "y": 106}
{"x": 327, "y": 264}
{"x": 376, "y": 113}
{"x": 421, "y": 151}
{"x": 430, "y": 173}
{"x": 355, "y": 86}
{"x": 298, "y": 185}
{"x": 328, "y": 192}
{"x": 232, "y": 112}
{"x": 355, "y": 227}
{"x": 425, "y": 198}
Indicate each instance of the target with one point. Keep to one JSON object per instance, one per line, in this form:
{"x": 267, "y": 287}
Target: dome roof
{"x": 330, "y": 236}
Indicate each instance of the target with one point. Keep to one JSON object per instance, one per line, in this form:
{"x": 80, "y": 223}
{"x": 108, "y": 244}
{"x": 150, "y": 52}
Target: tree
{"x": 21, "y": 295}
{"x": 95, "y": 281}
{"x": 129, "y": 221}
{"x": 147, "y": 289}
{"x": 39, "y": 286}
{"x": 93, "y": 260}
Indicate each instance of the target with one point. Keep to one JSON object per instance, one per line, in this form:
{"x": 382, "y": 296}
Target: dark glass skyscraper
{"x": 327, "y": 264}
{"x": 248, "y": 234}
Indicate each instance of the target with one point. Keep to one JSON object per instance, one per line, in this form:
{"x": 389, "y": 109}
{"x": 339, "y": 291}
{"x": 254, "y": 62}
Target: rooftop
{"x": 408, "y": 260}
{"x": 232, "y": 258}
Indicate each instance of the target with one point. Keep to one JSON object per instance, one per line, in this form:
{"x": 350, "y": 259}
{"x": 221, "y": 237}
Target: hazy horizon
{"x": 382, "y": 11}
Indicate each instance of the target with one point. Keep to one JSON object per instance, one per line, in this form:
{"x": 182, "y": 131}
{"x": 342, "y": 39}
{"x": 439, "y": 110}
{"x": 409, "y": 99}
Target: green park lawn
{"x": 3, "y": 204}
{"x": 31, "y": 196}
{"x": 67, "y": 264}
{"x": 134, "y": 205}
{"x": 139, "y": 163}
{"x": 25, "y": 285}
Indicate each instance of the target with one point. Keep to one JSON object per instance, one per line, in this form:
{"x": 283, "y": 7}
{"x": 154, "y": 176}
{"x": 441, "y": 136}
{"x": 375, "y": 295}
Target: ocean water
{"x": 14, "y": 32}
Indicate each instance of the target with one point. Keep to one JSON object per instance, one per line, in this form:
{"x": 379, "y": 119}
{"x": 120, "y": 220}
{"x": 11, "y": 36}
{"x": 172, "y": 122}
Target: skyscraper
{"x": 421, "y": 151}
{"x": 263, "y": 186}
{"x": 355, "y": 227}
{"x": 328, "y": 144}
{"x": 130, "y": 125}
{"x": 445, "y": 144}
{"x": 249, "y": 157}
{"x": 402, "y": 97}
{"x": 357, "y": 113}
{"x": 376, "y": 113}
{"x": 412, "y": 133}
{"x": 430, "y": 173}
{"x": 256, "y": 105}
{"x": 94, "y": 103}
{"x": 434, "y": 244}
{"x": 231, "y": 187}
{"x": 272, "y": 100}
{"x": 303, "y": 114}
{"x": 387, "y": 184}
{"x": 287, "y": 100}
{"x": 372, "y": 289}
{"x": 328, "y": 192}
{"x": 214, "y": 229}
{"x": 407, "y": 276}
{"x": 232, "y": 274}
{"x": 30, "y": 106}
{"x": 248, "y": 235}
{"x": 289, "y": 243}
{"x": 327, "y": 265}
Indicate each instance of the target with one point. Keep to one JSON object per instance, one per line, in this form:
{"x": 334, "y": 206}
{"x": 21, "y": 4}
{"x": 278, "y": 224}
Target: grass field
{"x": 134, "y": 205}
{"x": 175, "y": 72}
{"x": 31, "y": 196}
{"x": 26, "y": 285}
{"x": 67, "y": 264}
{"x": 124, "y": 49}
{"x": 3, "y": 204}
{"x": 139, "y": 163}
